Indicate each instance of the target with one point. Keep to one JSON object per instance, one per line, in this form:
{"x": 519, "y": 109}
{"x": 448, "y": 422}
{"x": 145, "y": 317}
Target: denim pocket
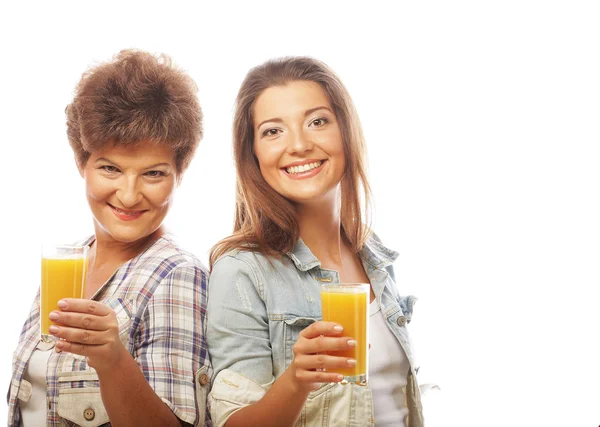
{"x": 291, "y": 330}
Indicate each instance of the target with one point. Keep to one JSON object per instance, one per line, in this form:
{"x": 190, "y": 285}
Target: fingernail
{"x": 351, "y": 362}
{"x": 53, "y": 316}
{"x": 58, "y": 347}
{"x": 340, "y": 377}
{"x": 338, "y": 328}
{"x": 352, "y": 343}
{"x": 53, "y": 329}
{"x": 62, "y": 304}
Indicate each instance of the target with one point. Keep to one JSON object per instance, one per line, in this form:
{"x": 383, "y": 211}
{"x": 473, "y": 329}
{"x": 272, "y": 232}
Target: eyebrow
{"x": 306, "y": 113}
{"x": 104, "y": 159}
{"x": 158, "y": 164}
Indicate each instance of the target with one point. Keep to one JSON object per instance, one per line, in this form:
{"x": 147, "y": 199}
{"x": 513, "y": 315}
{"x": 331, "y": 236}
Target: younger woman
{"x": 299, "y": 155}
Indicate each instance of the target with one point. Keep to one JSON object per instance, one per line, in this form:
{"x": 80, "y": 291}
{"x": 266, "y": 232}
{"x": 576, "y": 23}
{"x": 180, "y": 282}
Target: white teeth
{"x": 303, "y": 168}
{"x": 124, "y": 212}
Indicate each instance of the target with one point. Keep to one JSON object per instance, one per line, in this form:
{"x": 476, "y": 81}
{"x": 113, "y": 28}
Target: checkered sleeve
{"x": 29, "y": 336}
{"x": 172, "y": 347}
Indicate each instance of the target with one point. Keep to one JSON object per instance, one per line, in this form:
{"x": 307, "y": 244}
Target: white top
{"x": 388, "y": 371}
{"x": 33, "y": 412}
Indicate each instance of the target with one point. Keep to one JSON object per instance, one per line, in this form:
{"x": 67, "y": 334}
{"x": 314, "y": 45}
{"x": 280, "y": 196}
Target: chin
{"x": 126, "y": 235}
{"x": 306, "y": 198}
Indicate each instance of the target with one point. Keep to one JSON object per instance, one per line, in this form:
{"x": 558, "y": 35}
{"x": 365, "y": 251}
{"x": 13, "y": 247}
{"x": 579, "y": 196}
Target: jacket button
{"x": 89, "y": 414}
{"x": 203, "y": 379}
{"x": 401, "y": 321}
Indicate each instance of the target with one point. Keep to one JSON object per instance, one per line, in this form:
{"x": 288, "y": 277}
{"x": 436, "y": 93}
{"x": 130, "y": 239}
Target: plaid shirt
{"x": 159, "y": 298}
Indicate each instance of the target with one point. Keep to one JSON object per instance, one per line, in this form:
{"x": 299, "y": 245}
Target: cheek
{"x": 268, "y": 160}
{"x": 98, "y": 189}
{"x": 333, "y": 144}
{"x": 160, "y": 196}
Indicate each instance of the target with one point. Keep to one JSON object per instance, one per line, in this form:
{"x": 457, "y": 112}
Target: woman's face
{"x": 298, "y": 142}
{"x": 129, "y": 189}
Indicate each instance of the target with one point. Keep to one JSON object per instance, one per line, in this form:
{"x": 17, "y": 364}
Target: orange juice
{"x": 348, "y": 305}
{"x": 63, "y": 276}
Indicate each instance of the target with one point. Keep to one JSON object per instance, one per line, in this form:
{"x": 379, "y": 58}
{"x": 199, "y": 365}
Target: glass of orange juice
{"x": 64, "y": 270}
{"x": 348, "y": 305}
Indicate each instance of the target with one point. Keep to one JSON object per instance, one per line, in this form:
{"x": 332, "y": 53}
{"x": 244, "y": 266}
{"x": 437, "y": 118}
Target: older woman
{"x": 133, "y": 352}
{"x": 299, "y": 155}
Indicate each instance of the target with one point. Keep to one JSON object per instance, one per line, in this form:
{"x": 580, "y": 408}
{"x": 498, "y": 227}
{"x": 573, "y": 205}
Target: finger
{"x": 323, "y": 344}
{"x": 318, "y": 376}
{"x": 84, "y": 306}
{"x": 323, "y": 362}
{"x": 322, "y": 328}
{"x": 80, "y": 320}
{"x": 81, "y": 336}
{"x": 76, "y": 348}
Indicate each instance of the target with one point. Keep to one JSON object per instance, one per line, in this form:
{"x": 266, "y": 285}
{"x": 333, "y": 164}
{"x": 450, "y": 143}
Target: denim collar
{"x": 302, "y": 257}
{"x": 373, "y": 252}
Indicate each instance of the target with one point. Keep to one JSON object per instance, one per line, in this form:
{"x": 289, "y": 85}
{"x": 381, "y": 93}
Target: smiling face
{"x": 297, "y": 142}
{"x": 129, "y": 189}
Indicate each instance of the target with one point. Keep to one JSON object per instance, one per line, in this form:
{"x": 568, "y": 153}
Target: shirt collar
{"x": 302, "y": 257}
{"x": 376, "y": 254}
{"x": 373, "y": 252}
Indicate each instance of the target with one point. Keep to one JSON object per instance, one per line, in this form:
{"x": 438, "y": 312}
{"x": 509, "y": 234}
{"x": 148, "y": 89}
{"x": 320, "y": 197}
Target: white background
{"x": 482, "y": 124}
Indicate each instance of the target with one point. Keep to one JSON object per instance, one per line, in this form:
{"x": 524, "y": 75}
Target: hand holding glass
{"x": 64, "y": 270}
{"x": 348, "y": 305}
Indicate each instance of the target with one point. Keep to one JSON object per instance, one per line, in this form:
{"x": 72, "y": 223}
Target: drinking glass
{"x": 348, "y": 305}
{"x": 64, "y": 271}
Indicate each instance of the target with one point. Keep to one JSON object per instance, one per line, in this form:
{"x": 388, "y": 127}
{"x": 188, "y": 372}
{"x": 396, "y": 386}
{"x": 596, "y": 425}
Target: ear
{"x": 80, "y": 168}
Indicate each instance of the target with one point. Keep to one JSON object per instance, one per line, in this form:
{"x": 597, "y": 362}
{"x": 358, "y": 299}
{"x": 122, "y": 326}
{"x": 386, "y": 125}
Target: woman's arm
{"x": 240, "y": 348}
{"x": 282, "y": 404}
{"x": 126, "y": 395}
{"x": 157, "y": 387}
{"x": 128, "y": 398}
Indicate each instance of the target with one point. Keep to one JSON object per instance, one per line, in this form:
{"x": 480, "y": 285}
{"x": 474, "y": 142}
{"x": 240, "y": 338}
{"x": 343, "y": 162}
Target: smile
{"x": 294, "y": 170}
{"x": 125, "y": 215}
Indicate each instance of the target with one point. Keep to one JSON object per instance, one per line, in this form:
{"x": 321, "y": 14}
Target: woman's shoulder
{"x": 245, "y": 265}
{"x": 376, "y": 251}
{"x": 169, "y": 255}
{"x": 242, "y": 256}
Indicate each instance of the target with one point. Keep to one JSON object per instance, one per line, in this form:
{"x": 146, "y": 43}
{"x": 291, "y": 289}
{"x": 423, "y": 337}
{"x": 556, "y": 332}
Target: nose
{"x": 128, "y": 192}
{"x": 299, "y": 142}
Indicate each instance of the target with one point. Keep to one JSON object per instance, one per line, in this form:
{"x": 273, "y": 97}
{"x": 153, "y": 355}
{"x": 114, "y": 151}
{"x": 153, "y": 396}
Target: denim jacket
{"x": 256, "y": 310}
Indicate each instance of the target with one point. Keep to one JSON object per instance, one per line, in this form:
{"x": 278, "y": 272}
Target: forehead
{"x": 289, "y": 100}
{"x": 140, "y": 152}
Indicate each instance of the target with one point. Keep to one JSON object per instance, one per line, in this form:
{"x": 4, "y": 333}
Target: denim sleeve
{"x": 238, "y": 338}
{"x": 407, "y": 302}
{"x": 238, "y": 324}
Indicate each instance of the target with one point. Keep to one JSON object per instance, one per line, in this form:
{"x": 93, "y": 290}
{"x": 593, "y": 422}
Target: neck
{"x": 109, "y": 251}
{"x": 320, "y": 229}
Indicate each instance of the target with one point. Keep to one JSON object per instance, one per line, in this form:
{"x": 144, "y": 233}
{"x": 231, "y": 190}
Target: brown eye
{"x": 155, "y": 174}
{"x": 109, "y": 169}
{"x": 319, "y": 122}
{"x": 271, "y": 132}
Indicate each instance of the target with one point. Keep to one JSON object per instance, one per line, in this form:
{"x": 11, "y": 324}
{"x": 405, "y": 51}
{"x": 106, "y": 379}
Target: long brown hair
{"x": 265, "y": 221}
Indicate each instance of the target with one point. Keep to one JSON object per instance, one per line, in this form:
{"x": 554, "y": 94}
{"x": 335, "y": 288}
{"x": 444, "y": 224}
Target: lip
{"x": 126, "y": 215}
{"x": 302, "y": 163}
{"x": 307, "y": 174}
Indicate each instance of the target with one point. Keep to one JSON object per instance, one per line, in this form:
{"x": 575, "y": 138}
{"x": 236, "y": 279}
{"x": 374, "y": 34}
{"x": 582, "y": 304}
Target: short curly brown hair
{"x": 135, "y": 97}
